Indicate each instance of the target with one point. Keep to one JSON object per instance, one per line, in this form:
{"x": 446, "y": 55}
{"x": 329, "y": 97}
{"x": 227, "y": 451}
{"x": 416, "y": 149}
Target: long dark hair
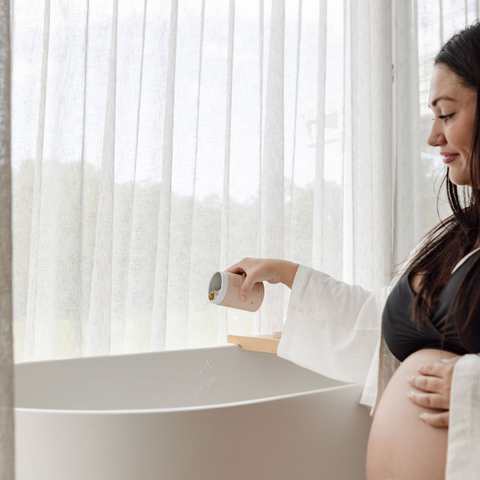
{"x": 457, "y": 235}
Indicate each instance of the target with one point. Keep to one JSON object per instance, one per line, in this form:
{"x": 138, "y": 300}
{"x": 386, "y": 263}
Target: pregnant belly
{"x": 401, "y": 446}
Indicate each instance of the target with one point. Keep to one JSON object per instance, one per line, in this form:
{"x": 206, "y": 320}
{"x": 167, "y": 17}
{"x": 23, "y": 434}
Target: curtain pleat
{"x": 191, "y": 260}
{"x": 319, "y": 190}
{"x": 99, "y": 321}
{"x": 440, "y": 30}
{"x": 298, "y": 42}
{"x": 362, "y": 136}
{"x": 347, "y": 263}
{"x": 33, "y": 272}
{"x": 81, "y": 303}
{"x": 140, "y": 256}
{"x": 408, "y": 196}
{"x": 225, "y": 230}
{"x": 159, "y": 319}
{"x": 381, "y": 148}
{"x": 273, "y": 171}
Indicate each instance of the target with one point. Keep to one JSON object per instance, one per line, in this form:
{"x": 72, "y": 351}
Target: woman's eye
{"x": 446, "y": 117}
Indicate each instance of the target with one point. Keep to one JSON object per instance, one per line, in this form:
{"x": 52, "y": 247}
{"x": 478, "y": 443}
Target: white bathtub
{"x": 208, "y": 414}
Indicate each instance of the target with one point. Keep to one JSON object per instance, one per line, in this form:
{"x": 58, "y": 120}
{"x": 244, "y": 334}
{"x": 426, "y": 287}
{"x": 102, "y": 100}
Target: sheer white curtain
{"x": 155, "y": 142}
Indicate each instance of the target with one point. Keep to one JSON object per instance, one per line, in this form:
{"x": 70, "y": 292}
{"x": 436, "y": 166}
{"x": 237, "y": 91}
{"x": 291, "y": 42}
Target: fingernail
{"x": 410, "y": 378}
{"x": 423, "y": 416}
{"x": 244, "y": 298}
{"x": 419, "y": 367}
{"x": 410, "y": 394}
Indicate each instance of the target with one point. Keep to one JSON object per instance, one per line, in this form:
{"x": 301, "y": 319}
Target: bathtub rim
{"x": 190, "y": 408}
{"x": 184, "y": 409}
{"x": 128, "y": 354}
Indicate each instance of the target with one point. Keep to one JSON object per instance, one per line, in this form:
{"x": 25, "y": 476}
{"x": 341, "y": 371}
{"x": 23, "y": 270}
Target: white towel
{"x": 463, "y": 458}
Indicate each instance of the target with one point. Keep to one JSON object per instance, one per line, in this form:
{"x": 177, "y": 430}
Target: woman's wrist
{"x": 287, "y": 271}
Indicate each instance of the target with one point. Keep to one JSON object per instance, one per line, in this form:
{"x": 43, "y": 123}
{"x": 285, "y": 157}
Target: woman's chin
{"x": 460, "y": 177}
{"x": 461, "y": 183}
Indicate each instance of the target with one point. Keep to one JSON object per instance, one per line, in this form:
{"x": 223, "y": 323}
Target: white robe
{"x": 335, "y": 329}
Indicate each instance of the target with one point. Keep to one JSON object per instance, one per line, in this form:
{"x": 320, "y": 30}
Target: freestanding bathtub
{"x": 206, "y": 414}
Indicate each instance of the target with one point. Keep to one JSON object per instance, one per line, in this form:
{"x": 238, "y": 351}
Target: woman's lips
{"x": 449, "y": 158}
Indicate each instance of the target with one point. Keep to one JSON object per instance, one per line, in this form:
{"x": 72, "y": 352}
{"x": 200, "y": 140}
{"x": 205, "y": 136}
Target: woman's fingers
{"x": 439, "y": 420}
{"x": 439, "y": 369}
{"x": 254, "y": 270}
{"x": 435, "y": 369}
{"x": 250, "y": 280}
{"x": 434, "y": 382}
{"x": 271, "y": 270}
{"x": 429, "y": 384}
{"x": 430, "y": 400}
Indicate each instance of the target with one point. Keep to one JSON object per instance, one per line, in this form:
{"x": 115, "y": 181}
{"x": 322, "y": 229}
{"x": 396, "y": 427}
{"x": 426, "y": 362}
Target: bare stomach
{"x": 401, "y": 446}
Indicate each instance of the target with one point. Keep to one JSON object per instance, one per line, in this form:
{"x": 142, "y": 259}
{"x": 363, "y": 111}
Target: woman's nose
{"x": 436, "y": 137}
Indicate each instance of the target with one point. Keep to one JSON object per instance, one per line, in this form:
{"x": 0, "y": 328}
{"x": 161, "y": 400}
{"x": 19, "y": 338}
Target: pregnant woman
{"x": 405, "y": 340}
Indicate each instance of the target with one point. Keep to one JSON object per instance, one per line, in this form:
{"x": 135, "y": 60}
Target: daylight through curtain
{"x": 156, "y": 142}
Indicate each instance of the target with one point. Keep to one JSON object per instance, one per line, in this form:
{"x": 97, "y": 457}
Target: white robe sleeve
{"x": 463, "y": 455}
{"x": 335, "y": 329}
{"x": 332, "y": 328}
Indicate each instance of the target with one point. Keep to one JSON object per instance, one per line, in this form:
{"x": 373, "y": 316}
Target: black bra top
{"x": 401, "y": 334}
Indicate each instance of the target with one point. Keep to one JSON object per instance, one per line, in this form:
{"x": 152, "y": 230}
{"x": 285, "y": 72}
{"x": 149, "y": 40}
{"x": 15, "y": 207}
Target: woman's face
{"x": 454, "y": 108}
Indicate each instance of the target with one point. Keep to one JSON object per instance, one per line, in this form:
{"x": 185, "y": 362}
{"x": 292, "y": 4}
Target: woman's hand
{"x": 263, "y": 269}
{"x": 435, "y": 382}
